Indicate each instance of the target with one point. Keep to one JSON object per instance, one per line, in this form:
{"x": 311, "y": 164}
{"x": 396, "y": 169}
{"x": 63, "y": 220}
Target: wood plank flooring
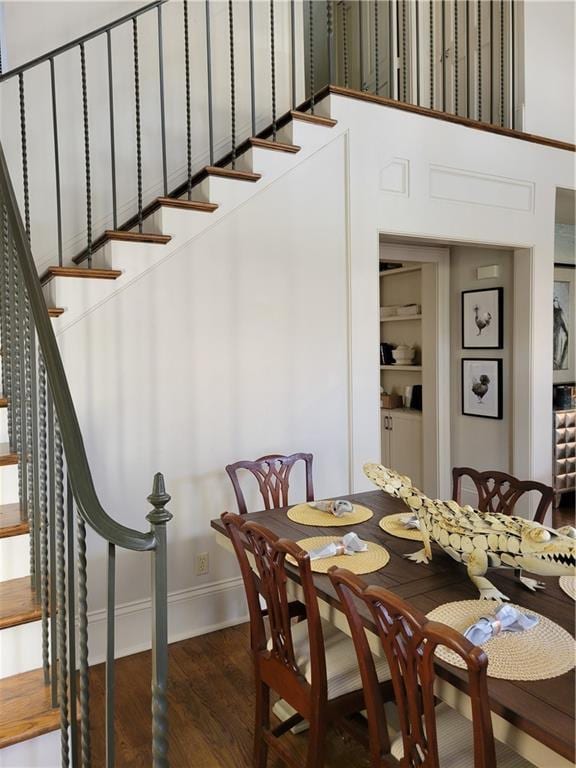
{"x": 211, "y": 705}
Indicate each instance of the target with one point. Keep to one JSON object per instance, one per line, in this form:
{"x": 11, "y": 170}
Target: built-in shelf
{"x": 397, "y": 318}
{"x": 400, "y": 270}
{"x": 400, "y": 367}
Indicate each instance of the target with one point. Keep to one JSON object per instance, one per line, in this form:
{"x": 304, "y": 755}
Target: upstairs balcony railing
{"x": 95, "y": 130}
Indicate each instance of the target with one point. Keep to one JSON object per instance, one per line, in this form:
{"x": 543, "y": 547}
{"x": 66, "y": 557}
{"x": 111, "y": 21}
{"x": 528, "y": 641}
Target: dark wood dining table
{"x": 535, "y": 718}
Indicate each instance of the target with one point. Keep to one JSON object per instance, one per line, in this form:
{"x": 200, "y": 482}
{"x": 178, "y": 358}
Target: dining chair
{"x": 500, "y": 492}
{"x": 430, "y": 735}
{"x": 311, "y": 665}
{"x": 272, "y": 473}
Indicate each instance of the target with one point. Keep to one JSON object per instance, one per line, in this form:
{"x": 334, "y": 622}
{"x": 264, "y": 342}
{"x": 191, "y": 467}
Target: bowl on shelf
{"x": 404, "y": 355}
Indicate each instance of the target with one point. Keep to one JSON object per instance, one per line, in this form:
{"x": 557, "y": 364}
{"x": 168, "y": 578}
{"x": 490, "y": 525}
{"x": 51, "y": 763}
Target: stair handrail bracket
{"x": 58, "y": 498}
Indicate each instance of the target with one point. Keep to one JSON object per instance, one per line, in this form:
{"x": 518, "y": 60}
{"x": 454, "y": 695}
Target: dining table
{"x": 535, "y": 718}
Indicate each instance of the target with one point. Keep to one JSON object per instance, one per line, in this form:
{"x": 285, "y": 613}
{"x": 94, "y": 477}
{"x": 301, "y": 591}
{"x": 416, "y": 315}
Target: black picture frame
{"x": 498, "y": 325}
{"x": 493, "y": 368}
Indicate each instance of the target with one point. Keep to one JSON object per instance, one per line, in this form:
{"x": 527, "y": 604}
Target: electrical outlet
{"x": 202, "y": 564}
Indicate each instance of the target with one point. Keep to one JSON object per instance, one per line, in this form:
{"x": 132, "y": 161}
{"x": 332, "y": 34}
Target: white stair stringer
{"x": 79, "y": 296}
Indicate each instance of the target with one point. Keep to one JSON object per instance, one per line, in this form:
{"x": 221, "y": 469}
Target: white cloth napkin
{"x": 505, "y": 619}
{"x": 338, "y": 507}
{"x": 347, "y": 545}
{"x": 410, "y": 522}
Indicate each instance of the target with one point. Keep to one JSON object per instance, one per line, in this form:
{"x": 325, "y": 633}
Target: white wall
{"x": 550, "y": 68}
{"x": 477, "y": 442}
{"x": 234, "y": 347}
{"x": 443, "y": 183}
{"x": 33, "y": 28}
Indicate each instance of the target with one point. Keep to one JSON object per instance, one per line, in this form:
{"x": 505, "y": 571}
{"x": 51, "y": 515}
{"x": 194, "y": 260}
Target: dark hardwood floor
{"x": 211, "y": 704}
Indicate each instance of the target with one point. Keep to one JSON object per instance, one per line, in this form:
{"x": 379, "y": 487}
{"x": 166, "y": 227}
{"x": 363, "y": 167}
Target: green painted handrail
{"x": 79, "y": 473}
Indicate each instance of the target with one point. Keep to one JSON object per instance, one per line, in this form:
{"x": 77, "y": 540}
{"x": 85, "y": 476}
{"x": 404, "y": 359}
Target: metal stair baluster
{"x": 86, "y": 154}
{"x": 61, "y": 597}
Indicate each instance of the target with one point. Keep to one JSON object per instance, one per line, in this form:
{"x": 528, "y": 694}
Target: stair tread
{"x": 194, "y": 205}
{"x": 18, "y": 603}
{"x": 10, "y": 522}
{"x": 136, "y": 237}
{"x": 278, "y": 146}
{"x": 26, "y": 708}
{"x": 98, "y": 274}
{"x": 55, "y": 311}
{"x": 231, "y": 173}
{"x": 328, "y": 122}
{"x": 3, "y": 401}
{"x": 7, "y": 457}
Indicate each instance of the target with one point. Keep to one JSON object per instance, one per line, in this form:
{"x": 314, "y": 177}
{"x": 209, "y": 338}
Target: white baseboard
{"x": 191, "y": 612}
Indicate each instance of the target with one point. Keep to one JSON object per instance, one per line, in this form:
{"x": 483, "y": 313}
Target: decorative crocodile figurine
{"x": 482, "y": 540}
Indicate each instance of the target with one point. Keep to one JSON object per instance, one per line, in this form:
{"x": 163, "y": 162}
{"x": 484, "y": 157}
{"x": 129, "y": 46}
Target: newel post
{"x": 158, "y": 517}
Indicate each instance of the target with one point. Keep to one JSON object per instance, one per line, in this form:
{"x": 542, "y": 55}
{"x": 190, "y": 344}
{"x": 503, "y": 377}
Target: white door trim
{"x": 436, "y": 453}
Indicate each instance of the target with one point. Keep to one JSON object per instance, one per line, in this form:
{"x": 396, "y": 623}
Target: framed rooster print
{"x": 483, "y": 319}
{"x": 482, "y": 388}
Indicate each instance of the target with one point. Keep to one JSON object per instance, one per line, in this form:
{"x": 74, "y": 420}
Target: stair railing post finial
{"x": 158, "y": 517}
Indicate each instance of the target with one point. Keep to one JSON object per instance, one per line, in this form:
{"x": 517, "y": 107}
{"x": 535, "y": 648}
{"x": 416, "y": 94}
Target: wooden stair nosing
{"x": 448, "y": 117}
{"x": 136, "y": 237}
{"x": 231, "y": 173}
{"x": 193, "y": 205}
{"x": 18, "y": 603}
{"x": 305, "y": 117}
{"x": 26, "y": 708}
{"x": 11, "y": 523}
{"x": 277, "y": 146}
{"x": 3, "y": 402}
{"x": 125, "y": 235}
{"x": 95, "y": 274}
{"x": 7, "y": 456}
{"x": 55, "y": 311}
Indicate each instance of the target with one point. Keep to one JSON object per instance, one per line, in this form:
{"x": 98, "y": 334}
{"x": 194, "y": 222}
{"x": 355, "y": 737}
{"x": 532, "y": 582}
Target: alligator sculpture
{"x": 482, "y": 540}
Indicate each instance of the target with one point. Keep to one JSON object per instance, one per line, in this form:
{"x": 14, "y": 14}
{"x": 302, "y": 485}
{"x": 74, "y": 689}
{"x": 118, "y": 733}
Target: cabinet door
{"x": 385, "y": 423}
{"x": 405, "y": 438}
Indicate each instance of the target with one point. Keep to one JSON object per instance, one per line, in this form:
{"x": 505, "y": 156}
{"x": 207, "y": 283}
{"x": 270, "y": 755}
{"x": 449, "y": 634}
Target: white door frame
{"x": 436, "y": 453}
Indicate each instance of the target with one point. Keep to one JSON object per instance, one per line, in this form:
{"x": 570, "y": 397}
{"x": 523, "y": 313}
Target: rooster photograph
{"x": 482, "y": 319}
{"x": 482, "y": 388}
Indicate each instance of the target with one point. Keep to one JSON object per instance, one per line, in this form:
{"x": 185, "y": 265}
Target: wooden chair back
{"x": 409, "y": 641}
{"x": 272, "y": 473}
{"x": 500, "y": 492}
{"x": 270, "y": 580}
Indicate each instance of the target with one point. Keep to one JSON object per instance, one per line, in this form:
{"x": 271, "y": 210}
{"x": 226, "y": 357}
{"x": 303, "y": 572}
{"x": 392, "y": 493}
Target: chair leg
{"x": 262, "y": 723}
{"x": 316, "y": 742}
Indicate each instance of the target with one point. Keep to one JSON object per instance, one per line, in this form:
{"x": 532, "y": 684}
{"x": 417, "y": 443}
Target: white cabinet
{"x": 401, "y": 431}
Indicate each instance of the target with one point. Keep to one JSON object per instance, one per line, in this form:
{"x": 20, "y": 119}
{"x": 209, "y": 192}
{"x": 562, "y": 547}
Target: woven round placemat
{"x": 539, "y": 653}
{"x": 568, "y": 584}
{"x": 361, "y": 562}
{"x": 307, "y": 515}
{"x": 393, "y": 525}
